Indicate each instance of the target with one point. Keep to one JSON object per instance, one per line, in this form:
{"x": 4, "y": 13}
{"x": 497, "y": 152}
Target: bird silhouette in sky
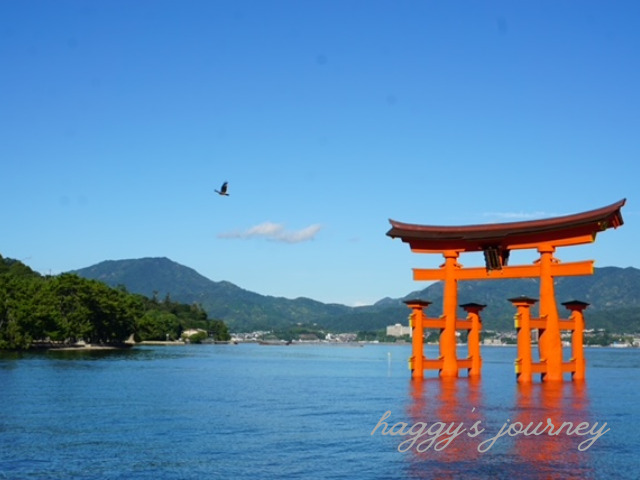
{"x": 223, "y": 189}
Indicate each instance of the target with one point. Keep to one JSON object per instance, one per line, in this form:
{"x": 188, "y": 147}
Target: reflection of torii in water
{"x": 223, "y": 189}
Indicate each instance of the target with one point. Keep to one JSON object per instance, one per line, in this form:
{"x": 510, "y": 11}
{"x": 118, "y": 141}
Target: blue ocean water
{"x": 309, "y": 412}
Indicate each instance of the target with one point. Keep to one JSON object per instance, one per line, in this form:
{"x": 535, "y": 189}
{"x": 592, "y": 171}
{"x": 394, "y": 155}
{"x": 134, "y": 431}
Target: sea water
{"x": 310, "y": 412}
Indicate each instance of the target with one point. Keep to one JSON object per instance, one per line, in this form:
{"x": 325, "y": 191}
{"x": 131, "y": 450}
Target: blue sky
{"x": 118, "y": 119}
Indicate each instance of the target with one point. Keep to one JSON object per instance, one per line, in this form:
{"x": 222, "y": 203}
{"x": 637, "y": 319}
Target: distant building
{"x": 192, "y": 331}
{"x": 308, "y": 337}
{"x": 398, "y": 330}
{"x": 341, "y": 337}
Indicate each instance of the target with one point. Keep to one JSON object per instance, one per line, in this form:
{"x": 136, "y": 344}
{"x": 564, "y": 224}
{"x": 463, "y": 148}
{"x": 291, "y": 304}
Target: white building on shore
{"x": 398, "y": 330}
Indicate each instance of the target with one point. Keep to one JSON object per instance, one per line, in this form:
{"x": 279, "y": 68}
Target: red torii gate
{"x": 496, "y": 241}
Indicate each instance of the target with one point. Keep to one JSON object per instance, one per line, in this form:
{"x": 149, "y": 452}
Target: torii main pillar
{"x": 496, "y": 241}
{"x": 549, "y": 340}
{"x": 449, "y": 311}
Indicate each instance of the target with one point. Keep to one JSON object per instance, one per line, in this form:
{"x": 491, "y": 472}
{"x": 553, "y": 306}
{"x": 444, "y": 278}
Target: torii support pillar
{"x": 416, "y": 322}
{"x": 577, "y": 342}
{"x": 523, "y": 364}
{"x": 474, "y": 324}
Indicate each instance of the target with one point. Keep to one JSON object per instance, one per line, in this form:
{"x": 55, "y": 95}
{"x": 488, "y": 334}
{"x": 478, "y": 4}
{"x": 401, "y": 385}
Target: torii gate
{"x": 496, "y": 241}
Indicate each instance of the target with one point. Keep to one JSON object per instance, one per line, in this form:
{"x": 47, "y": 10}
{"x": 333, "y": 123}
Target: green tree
{"x": 17, "y": 331}
{"x": 158, "y": 325}
{"x": 67, "y": 308}
{"x": 219, "y": 331}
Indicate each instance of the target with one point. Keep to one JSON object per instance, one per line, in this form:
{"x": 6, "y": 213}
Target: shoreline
{"x": 85, "y": 347}
{"x": 81, "y": 346}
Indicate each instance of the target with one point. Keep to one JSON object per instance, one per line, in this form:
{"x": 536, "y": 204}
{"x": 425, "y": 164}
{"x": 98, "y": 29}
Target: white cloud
{"x": 267, "y": 229}
{"x": 275, "y": 232}
{"x": 303, "y": 235}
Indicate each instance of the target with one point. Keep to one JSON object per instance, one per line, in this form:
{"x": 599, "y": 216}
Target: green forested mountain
{"x": 240, "y": 309}
{"x": 63, "y": 309}
{"x": 614, "y": 295}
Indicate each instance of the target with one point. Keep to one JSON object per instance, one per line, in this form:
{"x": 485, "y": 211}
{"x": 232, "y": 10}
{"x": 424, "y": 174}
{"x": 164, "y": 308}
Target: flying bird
{"x": 223, "y": 190}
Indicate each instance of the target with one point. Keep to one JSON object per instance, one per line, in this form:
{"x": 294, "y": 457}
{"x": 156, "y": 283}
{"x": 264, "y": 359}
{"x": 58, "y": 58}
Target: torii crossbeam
{"x": 496, "y": 241}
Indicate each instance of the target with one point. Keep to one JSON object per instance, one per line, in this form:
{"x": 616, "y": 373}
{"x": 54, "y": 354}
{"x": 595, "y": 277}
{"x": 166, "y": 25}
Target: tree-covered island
{"x": 37, "y": 310}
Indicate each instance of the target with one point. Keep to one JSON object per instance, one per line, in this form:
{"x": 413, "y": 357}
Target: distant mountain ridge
{"x": 613, "y": 292}
{"x": 241, "y": 309}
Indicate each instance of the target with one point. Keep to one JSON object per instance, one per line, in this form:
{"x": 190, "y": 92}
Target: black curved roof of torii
{"x": 507, "y": 235}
